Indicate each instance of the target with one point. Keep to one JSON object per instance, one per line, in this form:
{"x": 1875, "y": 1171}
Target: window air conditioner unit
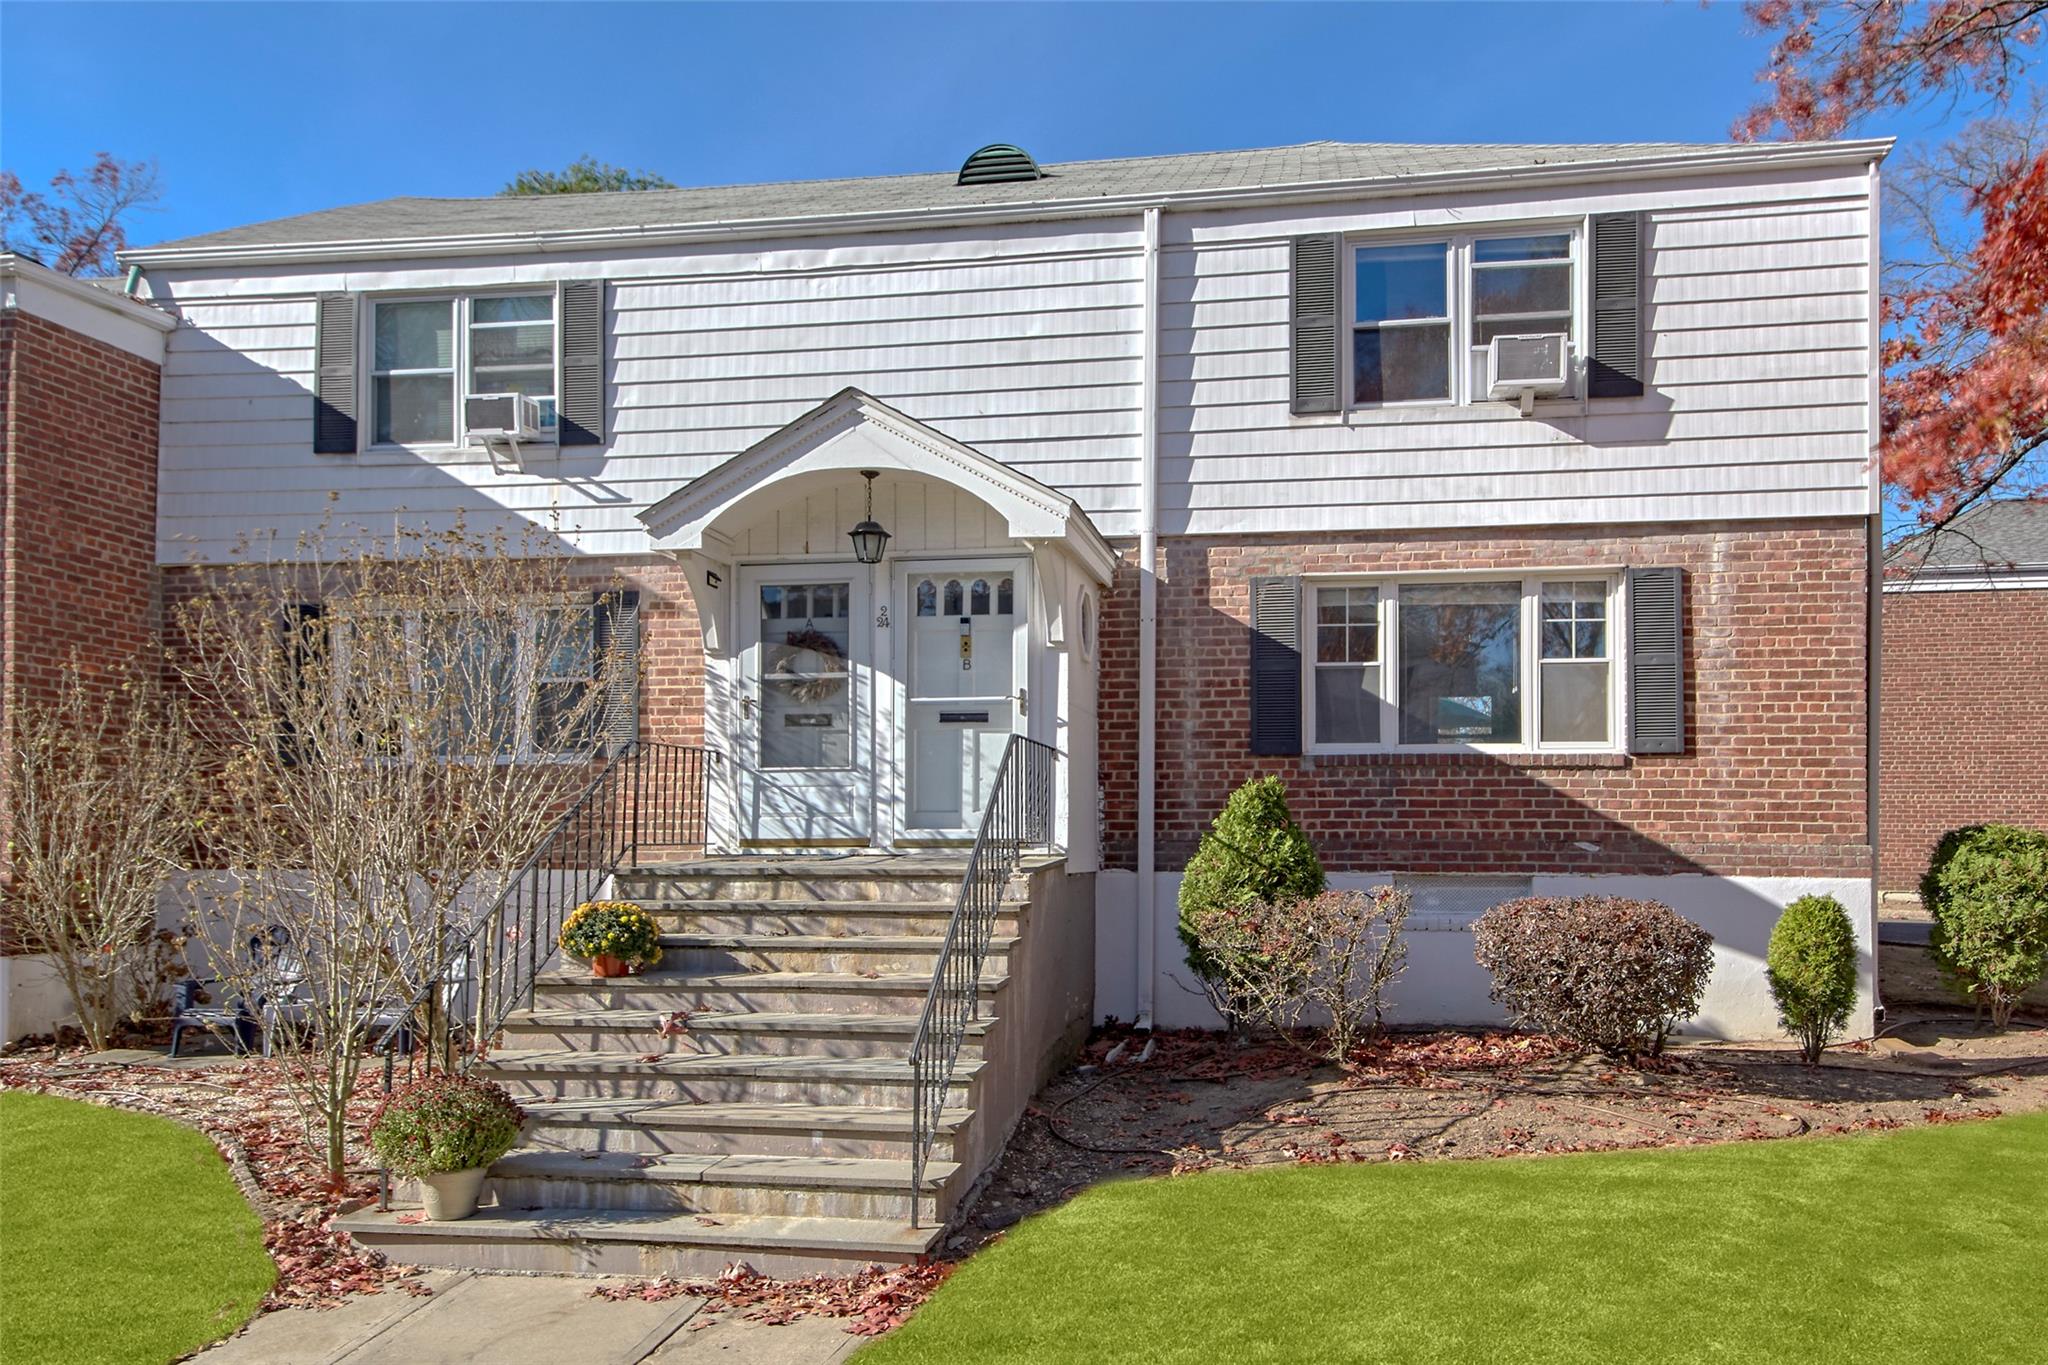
{"x": 501, "y": 417}
{"x": 1525, "y": 367}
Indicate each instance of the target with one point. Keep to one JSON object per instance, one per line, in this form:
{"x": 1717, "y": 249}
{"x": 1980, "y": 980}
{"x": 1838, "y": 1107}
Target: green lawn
{"x": 1928, "y": 1244}
{"x": 122, "y": 1237}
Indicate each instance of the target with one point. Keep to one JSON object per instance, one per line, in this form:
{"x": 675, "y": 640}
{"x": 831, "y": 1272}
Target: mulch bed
{"x": 1196, "y": 1102}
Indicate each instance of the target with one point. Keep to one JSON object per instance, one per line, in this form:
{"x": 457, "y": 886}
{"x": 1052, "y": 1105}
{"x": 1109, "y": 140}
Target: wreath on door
{"x": 810, "y": 691}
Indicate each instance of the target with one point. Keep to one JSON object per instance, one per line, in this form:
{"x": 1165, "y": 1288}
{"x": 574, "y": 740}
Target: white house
{"x": 1514, "y": 503}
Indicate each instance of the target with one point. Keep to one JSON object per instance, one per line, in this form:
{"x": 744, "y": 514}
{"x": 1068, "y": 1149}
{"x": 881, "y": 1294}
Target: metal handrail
{"x": 651, "y": 796}
{"x": 1017, "y": 816}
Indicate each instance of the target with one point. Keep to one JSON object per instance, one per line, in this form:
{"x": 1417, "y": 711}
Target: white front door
{"x": 806, "y": 775}
{"x": 964, "y": 655}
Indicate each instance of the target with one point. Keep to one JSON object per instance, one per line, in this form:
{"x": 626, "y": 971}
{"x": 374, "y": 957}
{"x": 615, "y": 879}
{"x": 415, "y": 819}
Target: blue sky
{"x": 256, "y": 111}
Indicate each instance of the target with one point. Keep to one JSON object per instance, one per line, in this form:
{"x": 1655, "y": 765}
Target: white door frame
{"x": 845, "y": 799}
{"x": 893, "y": 816}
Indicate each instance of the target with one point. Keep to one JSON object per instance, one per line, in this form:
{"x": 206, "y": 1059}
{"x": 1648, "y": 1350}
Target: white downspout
{"x": 1148, "y": 629}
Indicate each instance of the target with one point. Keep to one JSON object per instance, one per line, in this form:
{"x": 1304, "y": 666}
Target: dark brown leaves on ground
{"x": 872, "y": 1300}
{"x": 244, "y": 1107}
{"x": 1202, "y": 1102}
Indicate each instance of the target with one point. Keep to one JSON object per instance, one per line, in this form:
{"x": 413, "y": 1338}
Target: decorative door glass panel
{"x": 806, "y": 679}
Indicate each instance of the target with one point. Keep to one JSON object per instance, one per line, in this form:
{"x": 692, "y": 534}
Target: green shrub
{"x": 1811, "y": 965}
{"x": 447, "y": 1122}
{"x": 1254, "y": 853}
{"x": 1616, "y": 975}
{"x": 1987, "y": 889}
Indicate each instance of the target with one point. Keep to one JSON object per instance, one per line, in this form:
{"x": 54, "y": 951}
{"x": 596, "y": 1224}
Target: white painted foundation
{"x": 1444, "y": 984}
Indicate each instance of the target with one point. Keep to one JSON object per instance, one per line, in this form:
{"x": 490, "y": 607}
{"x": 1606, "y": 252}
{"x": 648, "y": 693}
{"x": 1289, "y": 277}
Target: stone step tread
{"x": 756, "y": 981}
{"x": 867, "y": 943}
{"x": 920, "y": 864}
{"x": 849, "y": 1120}
{"x": 761, "y": 1021}
{"x": 793, "y": 1172}
{"x": 685, "y": 1064}
{"x": 673, "y": 905}
{"x": 737, "y": 1231}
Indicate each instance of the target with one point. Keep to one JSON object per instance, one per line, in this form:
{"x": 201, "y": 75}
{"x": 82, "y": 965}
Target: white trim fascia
{"x": 1792, "y": 155}
{"x": 667, "y": 520}
{"x": 109, "y": 318}
{"x": 2023, "y": 577}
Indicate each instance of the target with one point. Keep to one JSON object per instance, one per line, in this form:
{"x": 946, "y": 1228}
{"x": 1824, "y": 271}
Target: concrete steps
{"x": 640, "y": 1241}
{"x": 656, "y": 1126}
{"x": 775, "y": 1125}
{"x": 731, "y": 1033}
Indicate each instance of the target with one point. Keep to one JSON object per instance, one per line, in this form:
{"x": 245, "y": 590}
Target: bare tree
{"x": 101, "y": 780}
{"x": 82, "y": 221}
{"x": 398, "y": 724}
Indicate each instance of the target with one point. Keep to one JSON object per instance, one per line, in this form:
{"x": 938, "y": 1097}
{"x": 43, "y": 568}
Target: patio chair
{"x": 282, "y": 1001}
{"x": 230, "y": 1020}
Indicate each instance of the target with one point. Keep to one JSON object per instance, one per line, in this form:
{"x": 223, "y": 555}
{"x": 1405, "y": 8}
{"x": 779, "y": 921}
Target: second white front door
{"x": 965, "y": 648}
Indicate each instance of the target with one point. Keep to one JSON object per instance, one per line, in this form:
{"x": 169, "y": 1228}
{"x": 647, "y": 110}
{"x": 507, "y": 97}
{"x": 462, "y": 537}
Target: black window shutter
{"x": 336, "y": 395}
{"x": 1656, "y": 661}
{"x": 1615, "y": 369}
{"x": 615, "y": 619}
{"x": 1312, "y": 318}
{"x": 305, "y": 642}
{"x": 579, "y": 408}
{"x": 1276, "y": 666}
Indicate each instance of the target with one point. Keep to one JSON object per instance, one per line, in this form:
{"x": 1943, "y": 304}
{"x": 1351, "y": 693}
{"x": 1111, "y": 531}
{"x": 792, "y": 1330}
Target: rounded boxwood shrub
{"x": 1987, "y": 889}
{"x": 1616, "y": 975}
{"x": 447, "y": 1122}
{"x": 1811, "y": 965}
{"x": 1253, "y": 854}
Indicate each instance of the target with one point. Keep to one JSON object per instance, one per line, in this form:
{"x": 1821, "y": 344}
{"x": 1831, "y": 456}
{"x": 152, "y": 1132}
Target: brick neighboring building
{"x": 80, "y": 369}
{"x": 1964, "y": 725}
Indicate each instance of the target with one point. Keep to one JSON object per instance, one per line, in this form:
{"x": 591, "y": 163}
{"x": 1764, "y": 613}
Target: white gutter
{"x": 1148, "y": 631}
{"x": 1375, "y": 187}
{"x": 17, "y": 269}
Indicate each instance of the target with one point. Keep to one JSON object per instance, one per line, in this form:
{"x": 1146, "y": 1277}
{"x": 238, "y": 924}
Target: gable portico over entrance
{"x": 867, "y": 706}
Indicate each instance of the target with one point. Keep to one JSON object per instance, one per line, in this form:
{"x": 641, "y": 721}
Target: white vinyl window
{"x": 1401, "y": 324}
{"x": 1462, "y": 662}
{"x": 518, "y": 682}
{"x": 1423, "y": 312}
{"x": 427, "y": 355}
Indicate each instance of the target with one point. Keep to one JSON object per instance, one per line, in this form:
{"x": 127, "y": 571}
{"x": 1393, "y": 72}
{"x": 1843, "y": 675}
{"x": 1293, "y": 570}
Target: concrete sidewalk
{"x": 523, "y": 1320}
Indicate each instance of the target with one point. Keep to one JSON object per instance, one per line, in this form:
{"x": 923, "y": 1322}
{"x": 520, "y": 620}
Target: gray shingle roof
{"x": 1308, "y": 164}
{"x": 2000, "y": 534}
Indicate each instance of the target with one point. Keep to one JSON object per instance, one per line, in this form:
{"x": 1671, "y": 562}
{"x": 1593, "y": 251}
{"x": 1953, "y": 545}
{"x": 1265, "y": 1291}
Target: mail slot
{"x": 797, "y": 720}
{"x": 963, "y": 717}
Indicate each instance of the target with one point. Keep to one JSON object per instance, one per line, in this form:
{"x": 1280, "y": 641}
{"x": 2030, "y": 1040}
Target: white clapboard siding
{"x": 1757, "y": 332}
{"x": 1025, "y": 341}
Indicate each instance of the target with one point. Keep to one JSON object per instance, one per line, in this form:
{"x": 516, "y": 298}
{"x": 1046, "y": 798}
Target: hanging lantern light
{"x": 870, "y": 541}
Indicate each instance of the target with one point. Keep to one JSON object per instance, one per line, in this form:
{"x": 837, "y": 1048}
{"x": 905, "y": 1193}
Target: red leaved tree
{"x": 1965, "y": 402}
{"x": 78, "y": 225}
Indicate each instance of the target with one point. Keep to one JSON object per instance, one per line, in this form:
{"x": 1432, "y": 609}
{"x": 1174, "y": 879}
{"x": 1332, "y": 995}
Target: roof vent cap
{"x": 997, "y": 164}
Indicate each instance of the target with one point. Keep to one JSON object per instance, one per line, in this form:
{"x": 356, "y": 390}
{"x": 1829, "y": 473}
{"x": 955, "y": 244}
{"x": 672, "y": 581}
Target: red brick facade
{"x": 78, "y": 437}
{"x": 1964, "y": 728}
{"x": 1773, "y": 780}
{"x": 81, "y": 438}
{"x": 671, "y": 645}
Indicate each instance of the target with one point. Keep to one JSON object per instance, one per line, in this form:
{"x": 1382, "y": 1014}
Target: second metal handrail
{"x": 1016, "y": 817}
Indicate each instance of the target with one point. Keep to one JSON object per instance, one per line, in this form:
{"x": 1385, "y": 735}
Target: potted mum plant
{"x": 445, "y": 1131}
{"x": 614, "y": 937}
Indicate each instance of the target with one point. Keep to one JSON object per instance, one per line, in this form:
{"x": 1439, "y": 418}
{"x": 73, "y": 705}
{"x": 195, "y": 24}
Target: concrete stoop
{"x": 775, "y": 1127}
